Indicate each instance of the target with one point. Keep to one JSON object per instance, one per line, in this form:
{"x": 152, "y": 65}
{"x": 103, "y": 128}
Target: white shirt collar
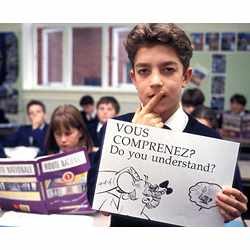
{"x": 99, "y": 126}
{"x": 178, "y": 120}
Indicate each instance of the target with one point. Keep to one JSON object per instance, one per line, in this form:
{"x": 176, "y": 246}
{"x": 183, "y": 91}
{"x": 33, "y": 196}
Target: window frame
{"x": 30, "y": 59}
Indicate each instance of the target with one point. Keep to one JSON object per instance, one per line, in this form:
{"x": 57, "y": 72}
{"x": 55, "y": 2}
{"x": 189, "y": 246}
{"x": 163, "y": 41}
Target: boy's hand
{"x": 232, "y": 203}
{"x": 36, "y": 122}
{"x": 146, "y": 116}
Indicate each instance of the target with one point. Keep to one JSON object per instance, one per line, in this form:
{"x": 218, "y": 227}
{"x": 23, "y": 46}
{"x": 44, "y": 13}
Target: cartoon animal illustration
{"x": 127, "y": 185}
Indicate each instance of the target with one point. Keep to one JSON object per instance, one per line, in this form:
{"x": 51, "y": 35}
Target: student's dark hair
{"x": 86, "y": 99}
{"x": 111, "y": 100}
{"x": 192, "y": 97}
{"x": 66, "y": 117}
{"x": 167, "y": 34}
{"x": 204, "y": 112}
{"x": 35, "y": 102}
{"x": 239, "y": 99}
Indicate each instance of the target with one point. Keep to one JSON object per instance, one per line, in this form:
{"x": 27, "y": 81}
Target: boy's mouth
{"x": 151, "y": 96}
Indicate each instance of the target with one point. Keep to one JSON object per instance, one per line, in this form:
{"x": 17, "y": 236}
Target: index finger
{"x": 153, "y": 102}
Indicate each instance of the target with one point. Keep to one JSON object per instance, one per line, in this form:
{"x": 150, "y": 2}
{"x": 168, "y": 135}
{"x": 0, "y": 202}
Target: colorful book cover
{"x": 51, "y": 184}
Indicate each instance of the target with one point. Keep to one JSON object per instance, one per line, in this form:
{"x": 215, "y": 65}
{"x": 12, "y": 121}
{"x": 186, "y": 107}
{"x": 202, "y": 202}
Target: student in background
{"x": 237, "y": 109}
{"x": 107, "y": 108}
{"x": 67, "y": 131}
{"x": 237, "y": 104}
{"x": 33, "y": 134}
{"x": 160, "y": 56}
{"x": 192, "y": 98}
{"x": 206, "y": 116}
{"x": 88, "y": 109}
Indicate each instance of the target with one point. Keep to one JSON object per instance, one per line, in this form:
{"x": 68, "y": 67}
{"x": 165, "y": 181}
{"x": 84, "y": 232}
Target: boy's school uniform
{"x": 189, "y": 125}
{"x": 26, "y": 136}
{"x": 89, "y": 119}
{"x": 95, "y": 133}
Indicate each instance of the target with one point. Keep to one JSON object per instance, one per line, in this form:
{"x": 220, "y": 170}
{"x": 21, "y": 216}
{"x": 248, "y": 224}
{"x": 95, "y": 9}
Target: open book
{"x": 51, "y": 184}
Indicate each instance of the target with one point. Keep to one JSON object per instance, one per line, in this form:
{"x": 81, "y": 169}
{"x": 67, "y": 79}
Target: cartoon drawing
{"x": 203, "y": 194}
{"x": 127, "y": 186}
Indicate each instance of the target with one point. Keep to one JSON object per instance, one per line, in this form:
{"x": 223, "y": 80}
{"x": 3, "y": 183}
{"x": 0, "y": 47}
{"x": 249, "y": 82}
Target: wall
{"x": 237, "y": 79}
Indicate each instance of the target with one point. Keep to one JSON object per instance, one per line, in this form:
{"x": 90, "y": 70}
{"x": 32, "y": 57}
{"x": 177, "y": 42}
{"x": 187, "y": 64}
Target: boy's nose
{"x": 156, "y": 80}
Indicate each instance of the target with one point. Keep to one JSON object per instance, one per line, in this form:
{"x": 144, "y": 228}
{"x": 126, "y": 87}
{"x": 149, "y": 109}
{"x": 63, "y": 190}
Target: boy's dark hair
{"x": 86, "y": 99}
{"x": 111, "y": 100}
{"x": 167, "y": 34}
{"x": 204, "y": 112}
{"x": 35, "y": 102}
{"x": 239, "y": 99}
{"x": 192, "y": 97}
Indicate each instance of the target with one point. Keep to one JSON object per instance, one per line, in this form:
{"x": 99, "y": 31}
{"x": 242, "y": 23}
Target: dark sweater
{"x": 193, "y": 127}
{"x": 26, "y": 136}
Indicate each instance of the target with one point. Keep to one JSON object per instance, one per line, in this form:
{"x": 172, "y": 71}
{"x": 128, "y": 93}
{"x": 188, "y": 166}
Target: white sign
{"x": 162, "y": 175}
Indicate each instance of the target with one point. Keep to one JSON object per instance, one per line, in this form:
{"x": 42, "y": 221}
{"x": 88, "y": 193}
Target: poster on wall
{"x": 243, "y": 41}
{"x": 199, "y": 75}
{"x": 217, "y": 103}
{"x": 197, "y": 40}
{"x": 212, "y": 41}
{"x": 218, "y": 63}
{"x": 8, "y": 72}
{"x": 228, "y": 41}
{"x": 218, "y": 85}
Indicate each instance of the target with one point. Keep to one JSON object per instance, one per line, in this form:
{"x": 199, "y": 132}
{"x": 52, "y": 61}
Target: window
{"x": 121, "y": 65}
{"x": 50, "y": 56}
{"x": 73, "y": 56}
{"x": 87, "y": 56}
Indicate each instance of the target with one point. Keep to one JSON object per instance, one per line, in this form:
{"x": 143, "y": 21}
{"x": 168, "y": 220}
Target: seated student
{"x": 237, "y": 106}
{"x": 192, "y": 98}
{"x": 66, "y": 131}
{"x": 107, "y": 107}
{"x": 88, "y": 109}
{"x": 33, "y": 134}
{"x": 206, "y": 116}
{"x": 160, "y": 55}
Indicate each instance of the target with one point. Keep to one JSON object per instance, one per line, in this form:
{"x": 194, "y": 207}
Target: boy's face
{"x": 105, "y": 111}
{"x": 89, "y": 108}
{"x": 236, "y": 107}
{"x": 36, "y": 115}
{"x": 156, "y": 69}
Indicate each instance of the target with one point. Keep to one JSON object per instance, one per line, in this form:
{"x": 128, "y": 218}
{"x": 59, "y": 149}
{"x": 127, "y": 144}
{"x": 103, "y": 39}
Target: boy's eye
{"x": 168, "y": 69}
{"x": 143, "y": 71}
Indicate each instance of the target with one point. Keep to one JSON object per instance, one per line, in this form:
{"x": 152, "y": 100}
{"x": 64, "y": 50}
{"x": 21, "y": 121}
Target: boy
{"x": 237, "y": 104}
{"x": 160, "y": 56}
{"x": 191, "y": 99}
{"x": 88, "y": 109}
{"x": 107, "y": 107}
{"x": 33, "y": 134}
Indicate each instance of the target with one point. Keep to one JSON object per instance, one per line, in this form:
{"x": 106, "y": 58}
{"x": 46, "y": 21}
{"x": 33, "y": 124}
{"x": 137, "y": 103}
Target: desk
{"x": 19, "y": 219}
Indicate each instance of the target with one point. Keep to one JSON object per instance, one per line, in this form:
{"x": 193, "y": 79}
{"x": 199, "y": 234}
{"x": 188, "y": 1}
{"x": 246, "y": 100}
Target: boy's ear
{"x": 187, "y": 77}
{"x": 132, "y": 76}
